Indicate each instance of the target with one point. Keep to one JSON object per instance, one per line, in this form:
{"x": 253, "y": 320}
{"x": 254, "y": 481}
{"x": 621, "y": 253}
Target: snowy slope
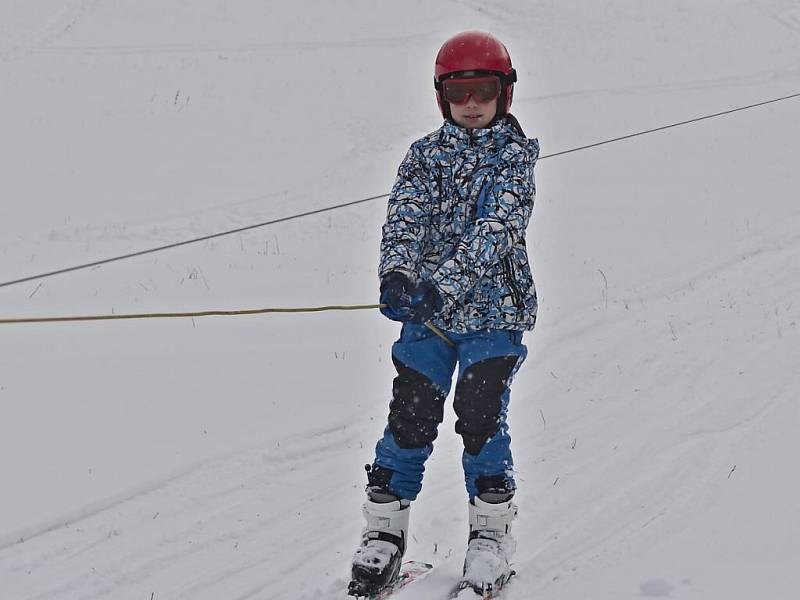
{"x": 654, "y": 424}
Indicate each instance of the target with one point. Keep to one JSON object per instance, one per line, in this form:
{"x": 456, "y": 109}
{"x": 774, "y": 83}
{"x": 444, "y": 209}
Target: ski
{"x": 467, "y": 591}
{"x": 410, "y": 571}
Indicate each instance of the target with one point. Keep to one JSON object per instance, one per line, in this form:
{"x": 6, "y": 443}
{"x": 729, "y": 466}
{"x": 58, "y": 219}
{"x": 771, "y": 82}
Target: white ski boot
{"x": 491, "y": 545}
{"x": 377, "y": 561}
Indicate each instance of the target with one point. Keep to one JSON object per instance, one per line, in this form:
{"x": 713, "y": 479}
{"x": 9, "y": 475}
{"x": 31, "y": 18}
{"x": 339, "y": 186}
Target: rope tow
{"x": 174, "y": 315}
{"x": 371, "y": 198}
{"x": 187, "y": 242}
{"x": 672, "y": 125}
{"x": 209, "y": 313}
{"x": 257, "y": 311}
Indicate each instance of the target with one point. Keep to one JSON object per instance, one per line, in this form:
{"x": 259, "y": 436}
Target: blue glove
{"x": 395, "y": 288}
{"x": 426, "y": 303}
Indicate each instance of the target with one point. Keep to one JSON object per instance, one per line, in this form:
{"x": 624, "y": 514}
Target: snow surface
{"x": 655, "y": 423}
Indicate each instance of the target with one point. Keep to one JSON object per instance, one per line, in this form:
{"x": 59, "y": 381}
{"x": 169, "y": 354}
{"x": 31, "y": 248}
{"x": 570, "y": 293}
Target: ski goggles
{"x": 481, "y": 89}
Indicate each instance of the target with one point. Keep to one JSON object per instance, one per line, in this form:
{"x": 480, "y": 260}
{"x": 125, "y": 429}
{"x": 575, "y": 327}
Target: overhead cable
{"x": 318, "y": 211}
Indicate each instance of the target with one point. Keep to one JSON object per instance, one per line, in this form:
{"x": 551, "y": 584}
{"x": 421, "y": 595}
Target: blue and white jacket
{"x": 457, "y": 217}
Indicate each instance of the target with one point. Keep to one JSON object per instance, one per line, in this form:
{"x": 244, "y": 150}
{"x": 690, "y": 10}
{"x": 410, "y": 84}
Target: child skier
{"x": 453, "y": 255}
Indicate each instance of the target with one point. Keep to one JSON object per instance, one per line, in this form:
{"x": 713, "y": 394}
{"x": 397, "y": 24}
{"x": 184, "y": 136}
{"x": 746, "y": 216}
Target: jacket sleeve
{"x": 407, "y": 219}
{"x": 504, "y": 209}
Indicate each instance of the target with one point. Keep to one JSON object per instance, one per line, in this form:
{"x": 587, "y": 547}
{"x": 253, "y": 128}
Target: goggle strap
{"x": 505, "y": 79}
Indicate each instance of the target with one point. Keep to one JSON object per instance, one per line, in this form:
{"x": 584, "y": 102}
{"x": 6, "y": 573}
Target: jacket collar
{"x": 478, "y": 137}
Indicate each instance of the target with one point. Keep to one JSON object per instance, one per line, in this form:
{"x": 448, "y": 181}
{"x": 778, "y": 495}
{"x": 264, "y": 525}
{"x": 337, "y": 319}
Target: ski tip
{"x": 410, "y": 571}
{"x": 417, "y": 564}
{"x": 466, "y": 590}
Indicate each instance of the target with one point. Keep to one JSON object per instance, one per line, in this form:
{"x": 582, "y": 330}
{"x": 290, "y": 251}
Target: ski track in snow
{"x": 228, "y": 512}
{"x": 687, "y": 461}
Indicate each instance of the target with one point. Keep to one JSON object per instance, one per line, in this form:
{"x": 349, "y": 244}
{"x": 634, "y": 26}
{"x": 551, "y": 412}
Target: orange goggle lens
{"x": 481, "y": 89}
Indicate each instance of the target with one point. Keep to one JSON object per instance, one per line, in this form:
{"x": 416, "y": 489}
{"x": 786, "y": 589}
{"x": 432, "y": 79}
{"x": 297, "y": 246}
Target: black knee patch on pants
{"x": 478, "y": 400}
{"x": 416, "y": 409}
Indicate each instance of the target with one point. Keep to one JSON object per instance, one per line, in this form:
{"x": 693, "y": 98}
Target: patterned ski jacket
{"x": 457, "y": 216}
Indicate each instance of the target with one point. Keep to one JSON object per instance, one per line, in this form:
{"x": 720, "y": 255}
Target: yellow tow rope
{"x": 173, "y": 315}
{"x": 206, "y": 313}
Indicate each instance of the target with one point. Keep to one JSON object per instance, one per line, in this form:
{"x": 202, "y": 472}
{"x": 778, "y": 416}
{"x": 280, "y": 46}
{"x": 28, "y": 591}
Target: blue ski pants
{"x": 487, "y": 361}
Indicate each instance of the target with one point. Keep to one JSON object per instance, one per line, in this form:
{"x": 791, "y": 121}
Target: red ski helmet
{"x": 474, "y": 53}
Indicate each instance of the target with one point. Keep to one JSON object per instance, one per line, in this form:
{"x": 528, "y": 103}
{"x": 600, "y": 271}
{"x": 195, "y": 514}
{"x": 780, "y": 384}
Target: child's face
{"x": 473, "y": 114}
